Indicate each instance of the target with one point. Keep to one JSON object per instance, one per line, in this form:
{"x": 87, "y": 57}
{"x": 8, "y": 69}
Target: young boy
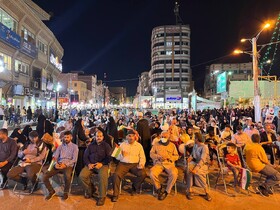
{"x": 233, "y": 162}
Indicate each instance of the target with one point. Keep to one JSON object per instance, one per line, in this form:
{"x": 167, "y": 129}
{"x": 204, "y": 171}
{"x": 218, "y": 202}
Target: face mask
{"x": 213, "y": 124}
{"x": 163, "y": 140}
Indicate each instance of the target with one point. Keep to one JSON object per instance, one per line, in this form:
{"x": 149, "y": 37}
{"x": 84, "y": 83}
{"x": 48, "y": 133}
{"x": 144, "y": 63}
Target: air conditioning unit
{"x": 26, "y": 91}
{"x": 36, "y": 84}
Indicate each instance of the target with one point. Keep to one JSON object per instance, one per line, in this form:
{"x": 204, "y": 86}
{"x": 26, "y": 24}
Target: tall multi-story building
{"x": 234, "y": 71}
{"x": 30, "y": 55}
{"x": 143, "y": 88}
{"x": 91, "y": 81}
{"x": 170, "y": 74}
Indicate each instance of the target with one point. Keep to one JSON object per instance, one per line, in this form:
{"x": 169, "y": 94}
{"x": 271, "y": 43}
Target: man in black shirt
{"x": 8, "y": 153}
{"x": 96, "y": 158}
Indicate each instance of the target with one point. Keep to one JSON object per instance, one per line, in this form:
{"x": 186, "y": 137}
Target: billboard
{"x": 222, "y": 82}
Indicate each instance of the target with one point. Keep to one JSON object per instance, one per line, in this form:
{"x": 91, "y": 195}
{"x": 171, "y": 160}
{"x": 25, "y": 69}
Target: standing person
{"x": 112, "y": 129}
{"x": 23, "y": 114}
{"x": 164, "y": 154}
{"x": 33, "y": 154}
{"x": 144, "y": 132}
{"x": 65, "y": 156}
{"x": 80, "y": 138}
{"x": 97, "y": 158}
{"x": 29, "y": 114}
{"x": 8, "y": 153}
{"x": 1, "y": 112}
{"x": 198, "y": 164}
{"x": 132, "y": 159}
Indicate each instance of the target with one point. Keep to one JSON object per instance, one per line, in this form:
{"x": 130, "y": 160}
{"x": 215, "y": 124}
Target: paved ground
{"x": 9, "y": 201}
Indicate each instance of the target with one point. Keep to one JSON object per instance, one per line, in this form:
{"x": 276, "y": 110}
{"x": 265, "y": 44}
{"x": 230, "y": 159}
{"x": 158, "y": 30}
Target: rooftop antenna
{"x": 179, "y": 20}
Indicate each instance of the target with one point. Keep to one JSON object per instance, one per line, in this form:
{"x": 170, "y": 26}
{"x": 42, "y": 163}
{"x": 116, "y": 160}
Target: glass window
{"x": 21, "y": 67}
{"x": 42, "y": 47}
{"x": 7, "y": 61}
{"x": 168, "y": 44}
{"x": 7, "y": 20}
{"x": 168, "y": 52}
{"x": 27, "y": 35}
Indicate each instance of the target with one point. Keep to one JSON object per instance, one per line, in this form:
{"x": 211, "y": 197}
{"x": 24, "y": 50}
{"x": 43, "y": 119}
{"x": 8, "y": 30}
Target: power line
{"x": 122, "y": 80}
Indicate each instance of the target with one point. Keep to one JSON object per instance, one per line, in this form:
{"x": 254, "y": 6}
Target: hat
{"x": 248, "y": 118}
{"x": 131, "y": 131}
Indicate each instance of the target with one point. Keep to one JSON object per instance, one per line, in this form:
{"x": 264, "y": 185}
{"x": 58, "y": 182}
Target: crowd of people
{"x": 145, "y": 144}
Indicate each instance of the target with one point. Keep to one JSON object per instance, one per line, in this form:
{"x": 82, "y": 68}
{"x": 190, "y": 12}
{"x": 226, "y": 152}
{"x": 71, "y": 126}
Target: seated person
{"x": 32, "y": 154}
{"x": 66, "y": 156}
{"x": 233, "y": 162}
{"x": 257, "y": 161}
{"x": 8, "y": 153}
{"x": 226, "y": 134}
{"x": 132, "y": 159}
{"x": 268, "y": 137}
{"x": 164, "y": 154}
{"x": 212, "y": 141}
{"x": 97, "y": 157}
{"x": 198, "y": 168}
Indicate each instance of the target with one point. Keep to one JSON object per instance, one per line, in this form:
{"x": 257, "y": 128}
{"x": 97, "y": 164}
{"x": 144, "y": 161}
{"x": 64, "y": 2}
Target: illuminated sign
{"x": 173, "y": 98}
{"x": 55, "y": 61}
{"x": 222, "y": 82}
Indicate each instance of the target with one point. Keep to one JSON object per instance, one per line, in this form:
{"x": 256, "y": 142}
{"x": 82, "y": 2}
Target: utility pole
{"x": 257, "y": 97}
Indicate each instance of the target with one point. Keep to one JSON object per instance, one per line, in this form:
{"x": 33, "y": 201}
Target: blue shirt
{"x": 67, "y": 154}
{"x": 8, "y": 150}
{"x": 98, "y": 153}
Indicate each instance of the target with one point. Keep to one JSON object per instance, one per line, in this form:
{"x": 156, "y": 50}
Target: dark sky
{"x": 113, "y": 36}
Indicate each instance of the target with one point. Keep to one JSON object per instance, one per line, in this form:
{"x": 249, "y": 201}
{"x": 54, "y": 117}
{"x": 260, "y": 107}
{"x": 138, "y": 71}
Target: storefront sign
{"x": 173, "y": 98}
{"x": 29, "y": 49}
{"x": 55, "y": 61}
{"x": 9, "y": 36}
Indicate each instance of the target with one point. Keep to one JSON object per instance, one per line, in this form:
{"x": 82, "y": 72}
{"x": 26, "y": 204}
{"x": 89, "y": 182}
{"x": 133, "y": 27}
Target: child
{"x": 233, "y": 162}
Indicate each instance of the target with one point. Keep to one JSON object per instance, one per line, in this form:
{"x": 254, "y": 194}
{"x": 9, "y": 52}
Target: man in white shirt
{"x": 132, "y": 159}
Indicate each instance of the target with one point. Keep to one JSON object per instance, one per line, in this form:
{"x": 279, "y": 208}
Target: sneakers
{"x": 65, "y": 197}
{"x": 189, "y": 196}
{"x": 87, "y": 195}
{"x": 208, "y": 197}
{"x": 262, "y": 191}
{"x": 50, "y": 196}
{"x": 162, "y": 196}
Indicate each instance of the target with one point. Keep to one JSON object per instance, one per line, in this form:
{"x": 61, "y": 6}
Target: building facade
{"x": 91, "y": 81}
{"x": 234, "y": 72}
{"x": 170, "y": 74}
{"x": 29, "y": 53}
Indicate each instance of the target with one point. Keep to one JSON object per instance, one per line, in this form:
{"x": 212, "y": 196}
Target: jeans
{"x": 272, "y": 176}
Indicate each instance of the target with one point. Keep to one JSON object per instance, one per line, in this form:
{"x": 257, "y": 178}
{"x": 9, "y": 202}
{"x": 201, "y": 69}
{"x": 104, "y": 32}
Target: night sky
{"x": 113, "y": 36}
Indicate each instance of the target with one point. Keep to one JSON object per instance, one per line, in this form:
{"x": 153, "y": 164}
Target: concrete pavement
{"x": 146, "y": 200}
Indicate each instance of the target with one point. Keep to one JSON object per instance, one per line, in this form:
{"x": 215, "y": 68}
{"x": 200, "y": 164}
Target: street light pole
{"x": 257, "y": 100}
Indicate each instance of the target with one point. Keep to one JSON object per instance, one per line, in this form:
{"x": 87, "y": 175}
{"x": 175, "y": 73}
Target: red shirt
{"x": 233, "y": 159}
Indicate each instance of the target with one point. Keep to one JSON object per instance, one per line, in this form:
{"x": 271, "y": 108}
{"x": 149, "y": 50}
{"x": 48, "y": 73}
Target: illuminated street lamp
{"x": 255, "y": 54}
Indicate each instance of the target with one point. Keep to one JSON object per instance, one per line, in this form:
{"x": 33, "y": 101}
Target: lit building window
{"x": 7, "y": 20}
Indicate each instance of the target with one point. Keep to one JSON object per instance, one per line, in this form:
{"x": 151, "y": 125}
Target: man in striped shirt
{"x": 65, "y": 156}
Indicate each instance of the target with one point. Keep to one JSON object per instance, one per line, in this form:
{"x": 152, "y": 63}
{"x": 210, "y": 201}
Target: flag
{"x": 116, "y": 152}
{"x": 245, "y": 178}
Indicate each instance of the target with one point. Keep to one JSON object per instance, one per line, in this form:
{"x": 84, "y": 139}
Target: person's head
{"x": 157, "y": 125}
{"x": 67, "y": 137}
{"x": 248, "y": 121}
{"x": 211, "y": 133}
{"x": 213, "y": 123}
{"x": 190, "y": 131}
{"x": 231, "y": 147}
{"x": 174, "y": 121}
{"x": 3, "y": 134}
{"x": 164, "y": 136}
{"x": 198, "y": 138}
{"x": 33, "y": 136}
{"x": 256, "y": 138}
{"x": 227, "y": 128}
{"x": 239, "y": 129}
{"x": 131, "y": 136}
{"x": 99, "y": 137}
{"x": 268, "y": 128}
